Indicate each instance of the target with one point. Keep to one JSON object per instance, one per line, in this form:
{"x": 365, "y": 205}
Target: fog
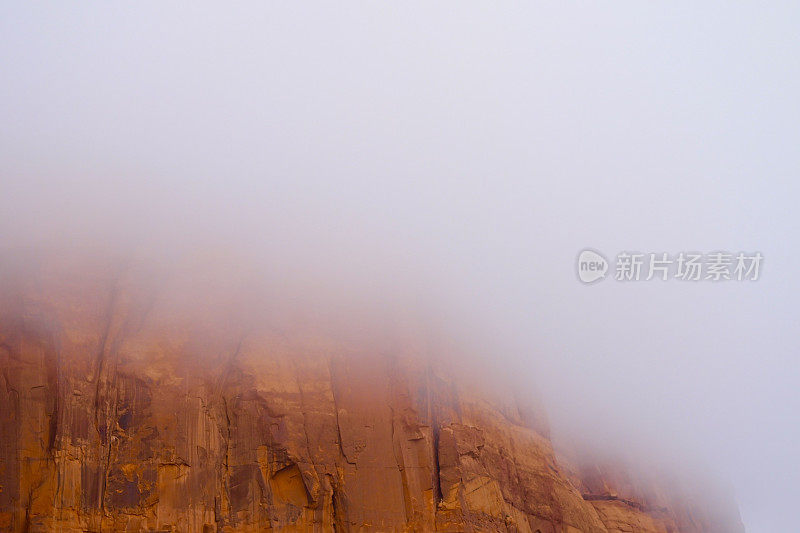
{"x": 455, "y": 157}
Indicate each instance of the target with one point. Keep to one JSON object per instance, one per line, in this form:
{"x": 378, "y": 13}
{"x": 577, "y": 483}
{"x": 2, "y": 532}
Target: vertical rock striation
{"x": 116, "y": 416}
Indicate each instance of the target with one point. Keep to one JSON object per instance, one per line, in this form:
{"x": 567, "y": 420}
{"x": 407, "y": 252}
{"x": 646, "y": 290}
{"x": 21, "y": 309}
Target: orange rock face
{"x": 118, "y": 415}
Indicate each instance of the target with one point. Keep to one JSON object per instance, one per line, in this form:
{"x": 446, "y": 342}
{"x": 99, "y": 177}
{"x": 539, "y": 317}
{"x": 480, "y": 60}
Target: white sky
{"x": 481, "y": 147}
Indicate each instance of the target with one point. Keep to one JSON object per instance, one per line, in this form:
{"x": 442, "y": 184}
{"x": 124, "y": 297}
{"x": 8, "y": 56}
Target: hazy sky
{"x": 470, "y": 148}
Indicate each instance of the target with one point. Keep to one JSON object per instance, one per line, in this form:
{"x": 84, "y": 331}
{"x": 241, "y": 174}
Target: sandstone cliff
{"x": 118, "y": 415}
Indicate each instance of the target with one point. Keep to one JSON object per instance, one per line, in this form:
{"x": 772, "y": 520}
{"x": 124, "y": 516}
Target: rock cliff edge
{"x": 118, "y": 415}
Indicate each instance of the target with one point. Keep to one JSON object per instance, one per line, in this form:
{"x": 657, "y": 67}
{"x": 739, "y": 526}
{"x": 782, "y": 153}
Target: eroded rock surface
{"x": 117, "y": 415}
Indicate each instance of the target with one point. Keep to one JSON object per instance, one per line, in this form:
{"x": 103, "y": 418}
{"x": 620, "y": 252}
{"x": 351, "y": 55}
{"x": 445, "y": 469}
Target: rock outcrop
{"x": 118, "y": 414}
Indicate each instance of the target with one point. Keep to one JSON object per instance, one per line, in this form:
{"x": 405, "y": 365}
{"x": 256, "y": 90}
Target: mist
{"x": 451, "y": 161}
